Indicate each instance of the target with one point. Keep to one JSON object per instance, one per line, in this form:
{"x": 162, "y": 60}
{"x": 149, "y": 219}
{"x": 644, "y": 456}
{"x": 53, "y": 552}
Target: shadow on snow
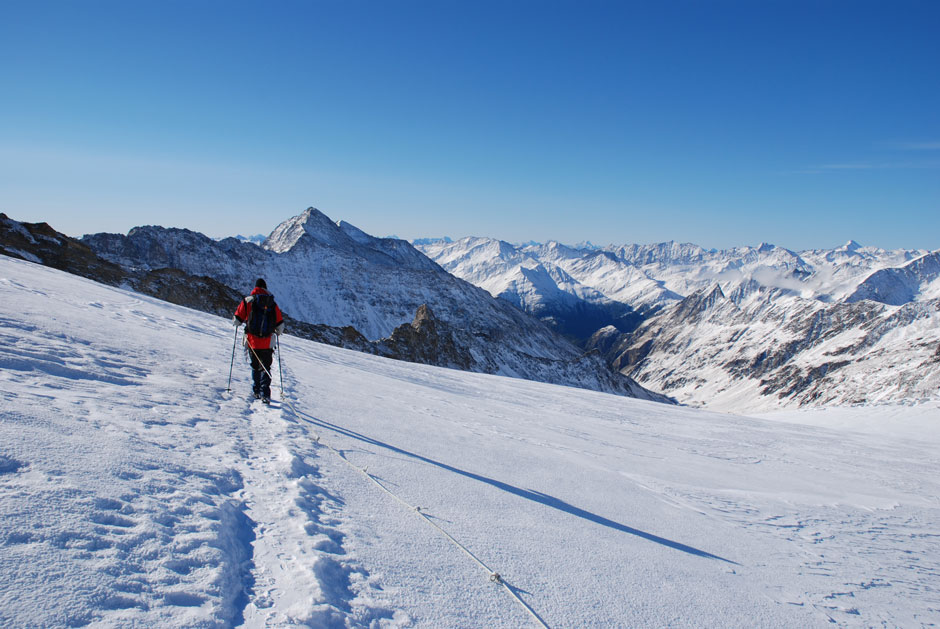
{"x": 528, "y": 494}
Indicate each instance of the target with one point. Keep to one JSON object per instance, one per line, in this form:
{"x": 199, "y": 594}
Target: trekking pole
{"x": 280, "y": 371}
{"x": 232, "y": 366}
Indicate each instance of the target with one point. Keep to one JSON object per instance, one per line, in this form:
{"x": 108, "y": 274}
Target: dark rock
{"x": 427, "y": 340}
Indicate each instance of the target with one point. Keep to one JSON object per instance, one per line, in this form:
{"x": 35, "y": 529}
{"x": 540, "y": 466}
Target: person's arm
{"x": 279, "y": 319}
{"x": 241, "y": 314}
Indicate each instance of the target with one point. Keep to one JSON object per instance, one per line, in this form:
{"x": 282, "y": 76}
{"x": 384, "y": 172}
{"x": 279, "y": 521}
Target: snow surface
{"x": 913, "y": 421}
{"x": 135, "y": 492}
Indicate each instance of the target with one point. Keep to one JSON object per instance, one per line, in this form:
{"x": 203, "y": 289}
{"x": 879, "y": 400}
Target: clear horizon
{"x": 802, "y": 124}
{"x": 512, "y": 242}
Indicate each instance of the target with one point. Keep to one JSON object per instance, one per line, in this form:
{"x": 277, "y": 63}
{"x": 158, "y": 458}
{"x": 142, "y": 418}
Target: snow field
{"x": 135, "y": 492}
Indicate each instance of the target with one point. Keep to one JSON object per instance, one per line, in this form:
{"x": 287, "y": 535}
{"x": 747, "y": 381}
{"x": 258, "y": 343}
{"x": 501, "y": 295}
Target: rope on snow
{"x": 493, "y": 575}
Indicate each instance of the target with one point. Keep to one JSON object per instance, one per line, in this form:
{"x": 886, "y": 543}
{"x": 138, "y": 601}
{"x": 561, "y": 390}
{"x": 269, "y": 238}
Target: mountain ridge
{"x": 748, "y": 328}
{"x": 333, "y": 274}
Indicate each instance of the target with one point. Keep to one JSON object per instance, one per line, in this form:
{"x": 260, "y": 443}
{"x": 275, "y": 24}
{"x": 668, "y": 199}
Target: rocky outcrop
{"x": 40, "y": 243}
{"x": 427, "y": 340}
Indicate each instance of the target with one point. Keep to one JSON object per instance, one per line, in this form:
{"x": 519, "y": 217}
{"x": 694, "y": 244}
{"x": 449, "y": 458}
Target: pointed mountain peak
{"x": 851, "y": 246}
{"x": 311, "y": 222}
{"x": 716, "y": 292}
{"x": 700, "y": 301}
{"x": 505, "y": 249}
{"x": 558, "y": 249}
{"x": 314, "y": 220}
{"x": 586, "y": 245}
{"x": 311, "y": 216}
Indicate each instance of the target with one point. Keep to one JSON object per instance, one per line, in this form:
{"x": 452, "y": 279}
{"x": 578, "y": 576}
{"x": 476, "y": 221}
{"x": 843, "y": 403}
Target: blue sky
{"x": 715, "y": 122}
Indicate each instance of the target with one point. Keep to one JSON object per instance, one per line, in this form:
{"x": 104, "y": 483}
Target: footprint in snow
{"x": 9, "y": 465}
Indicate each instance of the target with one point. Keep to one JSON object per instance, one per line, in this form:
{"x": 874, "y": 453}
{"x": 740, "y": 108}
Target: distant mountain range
{"x": 257, "y": 239}
{"x": 745, "y": 329}
{"x": 338, "y": 285}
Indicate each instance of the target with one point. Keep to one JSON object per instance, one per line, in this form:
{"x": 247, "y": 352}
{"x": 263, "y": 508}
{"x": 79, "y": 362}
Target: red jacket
{"x": 244, "y": 312}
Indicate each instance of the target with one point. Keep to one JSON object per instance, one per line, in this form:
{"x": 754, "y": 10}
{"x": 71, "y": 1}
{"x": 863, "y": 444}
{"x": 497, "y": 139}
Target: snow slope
{"x": 135, "y": 492}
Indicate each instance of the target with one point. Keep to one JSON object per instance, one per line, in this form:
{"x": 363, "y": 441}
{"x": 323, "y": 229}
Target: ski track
{"x": 192, "y": 521}
{"x": 136, "y": 492}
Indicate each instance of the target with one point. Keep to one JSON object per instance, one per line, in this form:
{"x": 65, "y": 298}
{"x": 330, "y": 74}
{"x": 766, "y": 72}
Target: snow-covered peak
{"x": 663, "y": 253}
{"x": 420, "y": 242}
{"x": 257, "y": 239}
{"x": 586, "y": 245}
{"x": 315, "y": 230}
{"x": 554, "y": 250}
{"x": 471, "y": 251}
{"x": 901, "y": 285}
{"x": 765, "y": 247}
{"x": 700, "y": 302}
{"x": 311, "y": 222}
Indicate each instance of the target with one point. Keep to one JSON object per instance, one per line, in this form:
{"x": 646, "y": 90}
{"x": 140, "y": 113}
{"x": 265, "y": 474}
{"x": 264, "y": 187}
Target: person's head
{"x": 260, "y": 283}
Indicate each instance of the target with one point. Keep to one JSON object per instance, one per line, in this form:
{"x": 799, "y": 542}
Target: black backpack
{"x": 261, "y": 319}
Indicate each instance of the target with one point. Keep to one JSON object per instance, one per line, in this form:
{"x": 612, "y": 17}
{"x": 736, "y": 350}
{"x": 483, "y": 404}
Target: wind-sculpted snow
{"x": 136, "y": 492}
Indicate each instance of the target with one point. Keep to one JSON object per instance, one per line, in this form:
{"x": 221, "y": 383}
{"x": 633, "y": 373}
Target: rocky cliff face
{"x": 333, "y": 276}
{"x": 427, "y": 340}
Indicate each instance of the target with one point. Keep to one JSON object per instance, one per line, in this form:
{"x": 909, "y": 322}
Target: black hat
{"x": 260, "y": 283}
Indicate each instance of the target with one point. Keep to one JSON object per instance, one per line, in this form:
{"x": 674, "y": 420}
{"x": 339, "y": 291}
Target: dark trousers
{"x": 260, "y": 377}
